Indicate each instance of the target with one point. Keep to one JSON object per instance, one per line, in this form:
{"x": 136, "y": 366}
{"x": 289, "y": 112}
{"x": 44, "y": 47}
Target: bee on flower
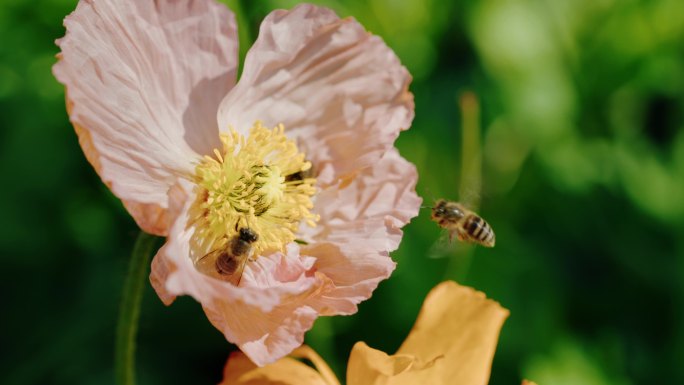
{"x": 299, "y": 151}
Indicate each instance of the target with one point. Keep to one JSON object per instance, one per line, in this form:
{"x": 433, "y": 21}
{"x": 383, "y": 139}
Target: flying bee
{"x": 229, "y": 261}
{"x": 465, "y": 224}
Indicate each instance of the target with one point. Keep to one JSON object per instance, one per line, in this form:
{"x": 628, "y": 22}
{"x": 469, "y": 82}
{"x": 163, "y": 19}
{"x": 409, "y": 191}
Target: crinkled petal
{"x": 453, "y": 342}
{"x": 360, "y": 225}
{"x": 144, "y": 81}
{"x": 267, "y": 315}
{"x": 286, "y": 371}
{"x": 337, "y": 88}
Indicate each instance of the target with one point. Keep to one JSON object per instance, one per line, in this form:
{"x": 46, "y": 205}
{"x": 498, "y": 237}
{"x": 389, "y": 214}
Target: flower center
{"x": 248, "y": 184}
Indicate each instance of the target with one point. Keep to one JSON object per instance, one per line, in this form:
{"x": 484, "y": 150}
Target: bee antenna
{"x": 429, "y": 194}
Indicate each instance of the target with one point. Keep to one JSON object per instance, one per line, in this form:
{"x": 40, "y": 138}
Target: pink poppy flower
{"x": 297, "y": 156}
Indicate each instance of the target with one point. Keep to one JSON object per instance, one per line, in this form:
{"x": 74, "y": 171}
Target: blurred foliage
{"x": 582, "y": 110}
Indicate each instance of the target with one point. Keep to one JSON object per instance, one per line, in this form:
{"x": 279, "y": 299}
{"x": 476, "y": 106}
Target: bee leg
{"x": 461, "y": 235}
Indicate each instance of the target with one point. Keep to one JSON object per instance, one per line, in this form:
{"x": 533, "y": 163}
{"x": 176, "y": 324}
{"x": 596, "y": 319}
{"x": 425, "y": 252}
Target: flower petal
{"x": 286, "y": 371}
{"x": 267, "y": 315}
{"x": 360, "y": 224}
{"x": 144, "y": 81}
{"x": 321, "y": 366}
{"x": 338, "y": 89}
{"x": 368, "y": 366}
{"x": 462, "y": 325}
{"x": 453, "y": 339}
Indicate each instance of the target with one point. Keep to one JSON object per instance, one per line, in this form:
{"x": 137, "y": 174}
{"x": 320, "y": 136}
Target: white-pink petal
{"x": 144, "y": 80}
{"x": 360, "y": 225}
{"x": 337, "y": 88}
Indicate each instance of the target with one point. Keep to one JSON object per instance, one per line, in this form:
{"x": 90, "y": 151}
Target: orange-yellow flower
{"x": 452, "y": 342}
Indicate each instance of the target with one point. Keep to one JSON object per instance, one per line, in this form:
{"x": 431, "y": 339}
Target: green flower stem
{"x": 470, "y": 185}
{"x": 129, "y": 312}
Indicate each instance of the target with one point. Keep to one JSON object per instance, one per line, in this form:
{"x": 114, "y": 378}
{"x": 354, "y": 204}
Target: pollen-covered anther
{"x": 248, "y": 183}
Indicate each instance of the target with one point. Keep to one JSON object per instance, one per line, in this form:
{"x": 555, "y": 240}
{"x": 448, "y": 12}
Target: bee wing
{"x": 205, "y": 264}
{"x": 445, "y": 246}
{"x": 237, "y": 275}
{"x": 211, "y": 255}
{"x": 470, "y": 198}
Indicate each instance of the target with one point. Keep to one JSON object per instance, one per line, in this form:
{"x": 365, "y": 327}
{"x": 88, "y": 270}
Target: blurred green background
{"x": 582, "y": 177}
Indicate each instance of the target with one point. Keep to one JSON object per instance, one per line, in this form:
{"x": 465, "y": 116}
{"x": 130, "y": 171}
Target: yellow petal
{"x": 322, "y": 367}
{"x": 368, "y": 366}
{"x": 452, "y": 342}
{"x": 461, "y": 325}
{"x": 527, "y": 382}
{"x": 286, "y": 371}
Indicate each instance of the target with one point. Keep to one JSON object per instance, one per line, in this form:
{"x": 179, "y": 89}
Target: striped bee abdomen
{"x": 479, "y": 231}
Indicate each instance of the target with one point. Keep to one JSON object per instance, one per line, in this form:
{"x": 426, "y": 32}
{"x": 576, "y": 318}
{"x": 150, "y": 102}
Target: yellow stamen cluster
{"x": 246, "y": 184}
